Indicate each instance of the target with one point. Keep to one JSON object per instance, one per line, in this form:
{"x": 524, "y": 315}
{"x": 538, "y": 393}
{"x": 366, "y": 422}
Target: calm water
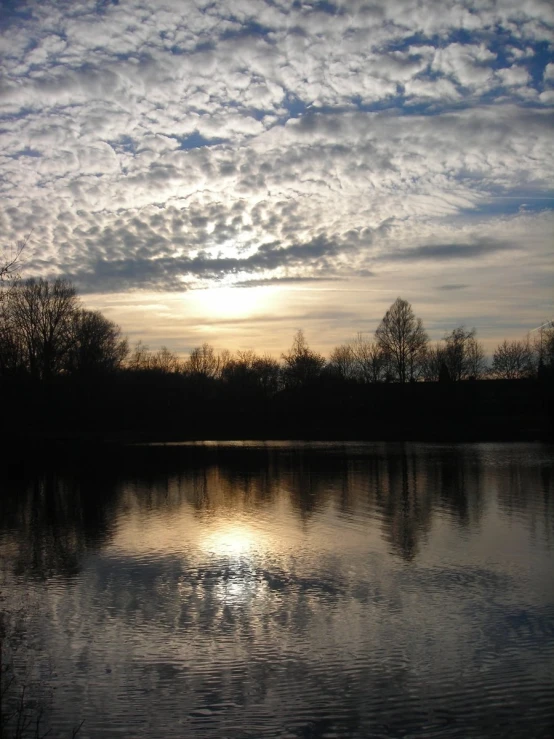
{"x": 286, "y": 590}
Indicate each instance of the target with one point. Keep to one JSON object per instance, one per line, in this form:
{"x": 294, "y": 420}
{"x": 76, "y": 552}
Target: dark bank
{"x": 129, "y": 407}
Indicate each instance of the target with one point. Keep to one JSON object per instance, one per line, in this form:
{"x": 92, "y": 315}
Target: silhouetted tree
{"x": 268, "y": 373}
{"x": 434, "y": 364}
{"x": 12, "y": 354}
{"x": 40, "y": 313}
{"x": 161, "y": 361}
{"x": 203, "y": 362}
{"x": 301, "y": 365}
{"x": 371, "y": 361}
{"x": 513, "y": 360}
{"x": 444, "y": 374}
{"x": 139, "y": 357}
{"x": 239, "y": 370}
{"x": 464, "y": 355}
{"x": 95, "y": 344}
{"x": 403, "y": 340}
{"x": 9, "y": 262}
{"x": 246, "y": 372}
{"x": 543, "y": 348}
{"x": 165, "y": 361}
{"x": 342, "y": 362}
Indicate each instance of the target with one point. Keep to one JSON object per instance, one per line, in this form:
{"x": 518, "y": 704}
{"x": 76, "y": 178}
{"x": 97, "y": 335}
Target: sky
{"x": 232, "y": 171}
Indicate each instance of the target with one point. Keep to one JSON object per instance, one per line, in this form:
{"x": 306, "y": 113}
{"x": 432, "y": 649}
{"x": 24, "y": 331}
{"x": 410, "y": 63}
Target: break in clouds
{"x": 173, "y": 144}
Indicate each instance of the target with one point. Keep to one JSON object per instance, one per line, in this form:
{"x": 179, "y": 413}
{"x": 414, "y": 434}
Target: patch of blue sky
{"x": 22, "y": 113}
{"x": 257, "y": 113}
{"x": 393, "y": 102}
{"x": 26, "y": 152}
{"x": 294, "y": 106}
{"x": 398, "y": 103}
{"x": 491, "y": 96}
{"x": 498, "y": 41}
{"x": 195, "y": 140}
{"x": 322, "y": 6}
{"x": 12, "y": 12}
{"x": 123, "y": 143}
{"x": 103, "y": 5}
{"x": 536, "y": 64}
{"x": 456, "y": 36}
{"x": 250, "y": 28}
{"x": 536, "y": 55}
{"x": 512, "y": 204}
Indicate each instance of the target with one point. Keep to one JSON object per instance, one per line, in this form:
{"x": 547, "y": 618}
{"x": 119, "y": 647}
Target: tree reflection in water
{"x": 307, "y": 589}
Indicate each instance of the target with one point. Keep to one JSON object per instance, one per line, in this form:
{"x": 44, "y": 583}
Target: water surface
{"x": 286, "y": 590}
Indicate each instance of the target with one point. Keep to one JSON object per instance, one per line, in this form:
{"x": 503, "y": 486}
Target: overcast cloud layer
{"x": 174, "y": 144}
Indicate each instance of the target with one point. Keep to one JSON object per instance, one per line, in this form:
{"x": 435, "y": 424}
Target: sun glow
{"x": 234, "y": 302}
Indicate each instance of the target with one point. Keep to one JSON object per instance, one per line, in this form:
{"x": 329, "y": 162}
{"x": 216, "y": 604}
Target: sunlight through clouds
{"x": 167, "y": 147}
{"x": 232, "y": 302}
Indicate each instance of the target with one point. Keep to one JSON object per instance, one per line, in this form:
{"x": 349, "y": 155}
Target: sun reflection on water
{"x": 232, "y": 540}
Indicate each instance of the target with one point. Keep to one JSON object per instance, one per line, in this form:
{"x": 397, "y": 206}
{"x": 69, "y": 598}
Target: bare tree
{"x": 301, "y": 364}
{"x": 10, "y": 260}
{"x": 40, "y": 313}
{"x": 96, "y": 343}
{"x": 165, "y": 361}
{"x": 464, "y": 355}
{"x": 513, "y": 360}
{"x": 543, "y": 347}
{"x": 342, "y": 362}
{"x": 434, "y": 365}
{"x": 402, "y": 338}
{"x": 44, "y": 331}
{"x": 12, "y": 354}
{"x": 476, "y": 363}
{"x": 371, "y": 362}
{"x": 248, "y": 372}
{"x": 139, "y": 357}
{"x": 268, "y": 373}
{"x": 203, "y": 362}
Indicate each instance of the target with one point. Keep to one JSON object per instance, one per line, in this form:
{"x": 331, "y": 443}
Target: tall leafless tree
{"x": 302, "y": 365}
{"x": 203, "y": 361}
{"x": 371, "y": 361}
{"x": 435, "y": 363}
{"x": 543, "y": 347}
{"x": 513, "y": 360}
{"x": 250, "y": 373}
{"x": 403, "y": 340}
{"x": 463, "y": 354}
{"x": 40, "y": 313}
{"x": 96, "y": 343}
{"x": 342, "y": 362}
{"x": 10, "y": 261}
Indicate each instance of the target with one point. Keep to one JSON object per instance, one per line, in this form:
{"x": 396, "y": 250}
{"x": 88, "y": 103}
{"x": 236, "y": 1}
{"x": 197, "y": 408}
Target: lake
{"x": 284, "y": 590}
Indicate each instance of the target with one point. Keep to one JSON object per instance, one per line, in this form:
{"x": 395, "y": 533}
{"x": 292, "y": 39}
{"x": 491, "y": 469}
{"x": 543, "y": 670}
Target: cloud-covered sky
{"x": 232, "y": 170}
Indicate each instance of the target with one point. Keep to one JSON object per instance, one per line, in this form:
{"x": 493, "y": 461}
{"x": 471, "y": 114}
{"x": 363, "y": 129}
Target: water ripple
{"x": 317, "y": 591}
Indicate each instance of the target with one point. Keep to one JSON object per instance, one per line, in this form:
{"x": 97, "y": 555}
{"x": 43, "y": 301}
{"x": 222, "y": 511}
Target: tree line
{"x": 45, "y": 331}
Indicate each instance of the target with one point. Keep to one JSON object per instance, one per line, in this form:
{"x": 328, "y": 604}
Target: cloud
{"x": 451, "y": 251}
{"x": 171, "y": 272}
{"x": 285, "y": 281}
{"x": 548, "y": 74}
{"x": 171, "y": 145}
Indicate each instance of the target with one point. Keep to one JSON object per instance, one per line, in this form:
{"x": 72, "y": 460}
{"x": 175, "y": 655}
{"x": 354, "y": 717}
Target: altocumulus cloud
{"x": 170, "y": 145}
